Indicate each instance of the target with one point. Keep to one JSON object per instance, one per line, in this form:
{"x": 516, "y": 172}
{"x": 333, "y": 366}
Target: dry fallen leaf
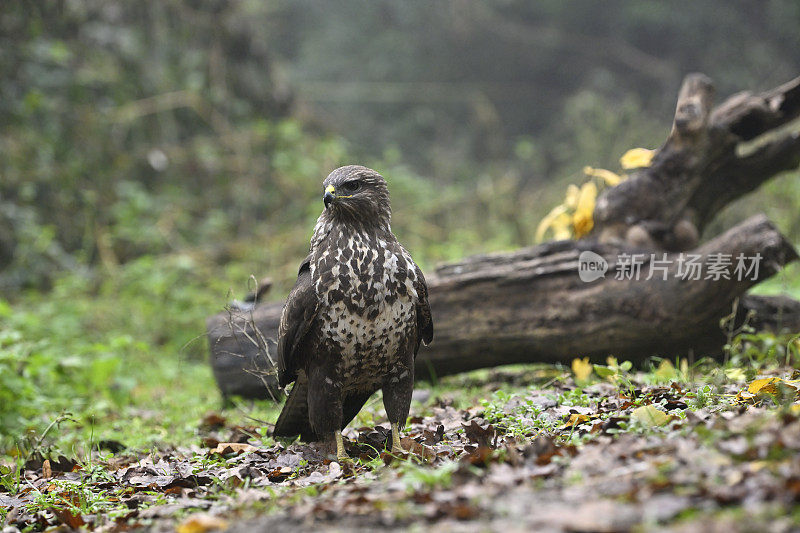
{"x": 201, "y": 523}
{"x": 482, "y": 436}
{"x": 758, "y": 388}
{"x": 582, "y": 368}
{"x": 764, "y": 385}
{"x": 279, "y": 474}
{"x": 650, "y": 415}
{"x": 66, "y": 517}
{"x": 575, "y": 419}
{"x": 225, "y": 448}
{"x": 213, "y": 420}
{"x": 416, "y": 448}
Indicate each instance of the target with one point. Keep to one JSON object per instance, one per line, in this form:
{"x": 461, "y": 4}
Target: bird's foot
{"x": 341, "y": 455}
{"x": 397, "y": 448}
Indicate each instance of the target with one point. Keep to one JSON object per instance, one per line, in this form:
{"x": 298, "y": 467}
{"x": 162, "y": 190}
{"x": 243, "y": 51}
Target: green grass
{"x": 114, "y": 357}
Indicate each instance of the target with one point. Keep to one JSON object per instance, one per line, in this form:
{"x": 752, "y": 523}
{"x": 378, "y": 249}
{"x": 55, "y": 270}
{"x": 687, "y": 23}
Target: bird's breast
{"x": 367, "y": 306}
{"x": 363, "y": 273}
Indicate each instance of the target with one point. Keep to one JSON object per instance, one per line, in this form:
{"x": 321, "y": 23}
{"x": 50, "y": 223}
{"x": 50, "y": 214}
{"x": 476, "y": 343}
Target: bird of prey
{"x": 354, "y": 321}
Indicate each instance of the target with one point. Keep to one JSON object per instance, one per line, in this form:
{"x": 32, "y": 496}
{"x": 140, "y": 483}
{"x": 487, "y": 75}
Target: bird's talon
{"x": 341, "y": 455}
{"x": 397, "y": 447}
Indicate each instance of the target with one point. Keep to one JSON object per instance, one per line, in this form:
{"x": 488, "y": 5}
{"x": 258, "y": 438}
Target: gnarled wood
{"x": 711, "y": 158}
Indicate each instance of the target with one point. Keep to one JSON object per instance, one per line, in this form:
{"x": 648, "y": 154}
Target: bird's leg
{"x": 397, "y": 391}
{"x": 397, "y": 448}
{"x": 341, "y": 455}
{"x": 325, "y": 406}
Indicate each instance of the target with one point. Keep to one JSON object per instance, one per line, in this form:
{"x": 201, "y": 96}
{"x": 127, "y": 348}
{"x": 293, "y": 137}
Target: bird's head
{"x": 357, "y": 194}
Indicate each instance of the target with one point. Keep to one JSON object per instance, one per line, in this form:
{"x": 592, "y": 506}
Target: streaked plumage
{"x": 354, "y": 321}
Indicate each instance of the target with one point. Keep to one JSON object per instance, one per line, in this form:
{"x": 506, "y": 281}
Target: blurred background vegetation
{"x": 155, "y": 155}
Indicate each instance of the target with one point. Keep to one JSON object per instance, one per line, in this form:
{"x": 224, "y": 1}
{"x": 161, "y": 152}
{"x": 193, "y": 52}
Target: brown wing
{"x": 298, "y": 314}
{"x": 424, "y": 319}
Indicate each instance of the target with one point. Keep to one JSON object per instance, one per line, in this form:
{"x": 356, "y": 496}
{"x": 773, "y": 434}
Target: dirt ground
{"x": 493, "y": 454}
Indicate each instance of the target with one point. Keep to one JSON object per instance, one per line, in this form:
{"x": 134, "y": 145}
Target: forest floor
{"x": 702, "y": 447}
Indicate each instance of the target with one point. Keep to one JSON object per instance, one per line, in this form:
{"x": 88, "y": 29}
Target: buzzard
{"x": 354, "y": 321}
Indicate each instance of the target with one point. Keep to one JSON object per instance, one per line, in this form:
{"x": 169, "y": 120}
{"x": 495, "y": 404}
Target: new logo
{"x": 591, "y": 266}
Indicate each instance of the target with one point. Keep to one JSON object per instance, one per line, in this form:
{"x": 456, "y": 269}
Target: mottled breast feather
{"x": 367, "y": 288}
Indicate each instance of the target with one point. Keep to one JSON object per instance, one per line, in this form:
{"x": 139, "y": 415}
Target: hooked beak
{"x": 330, "y": 195}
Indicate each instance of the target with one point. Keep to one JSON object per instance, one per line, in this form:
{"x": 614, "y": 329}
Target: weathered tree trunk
{"x": 532, "y": 306}
{"x": 711, "y": 158}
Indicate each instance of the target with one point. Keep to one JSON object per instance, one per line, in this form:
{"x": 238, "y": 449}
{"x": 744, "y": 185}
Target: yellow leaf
{"x": 735, "y": 374}
{"x": 582, "y": 220}
{"x": 650, "y": 415}
{"x": 610, "y": 178}
{"x": 770, "y": 386}
{"x": 744, "y": 398}
{"x": 665, "y": 370}
{"x": 636, "y": 158}
{"x": 201, "y": 523}
{"x": 554, "y": 219}
{"x": 562, "y": 227}
{"x": 575, "y": 419}
{"x": 573, "y": 192}
{"x": 767, "y": 385}
{"x": 582, "y": 368}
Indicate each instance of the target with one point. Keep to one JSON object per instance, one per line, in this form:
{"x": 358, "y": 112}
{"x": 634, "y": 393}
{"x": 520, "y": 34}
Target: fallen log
{"x": 551, "y": 303}
{"x": 532, "y": 306}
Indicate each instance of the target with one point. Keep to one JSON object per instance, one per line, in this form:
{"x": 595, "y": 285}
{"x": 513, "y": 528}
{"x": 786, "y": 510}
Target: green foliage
{"x": 117, "y": 142}
{"x": 78, "y": 349}
{"x": 421, "y": 478}
{"x": 525, "y": 421}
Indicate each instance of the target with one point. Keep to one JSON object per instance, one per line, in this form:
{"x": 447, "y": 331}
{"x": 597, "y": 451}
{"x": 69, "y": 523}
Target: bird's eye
{"x": 351, "y": 186}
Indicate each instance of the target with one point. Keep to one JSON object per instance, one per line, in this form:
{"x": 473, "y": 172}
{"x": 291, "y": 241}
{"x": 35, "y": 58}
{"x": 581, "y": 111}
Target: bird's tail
{"x": 293, "y": 419}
